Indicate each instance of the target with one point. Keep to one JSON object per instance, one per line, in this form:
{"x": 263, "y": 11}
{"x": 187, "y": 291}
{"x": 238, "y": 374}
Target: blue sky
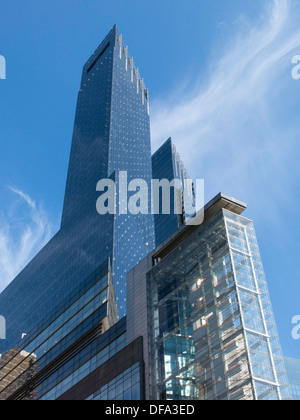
{"x": 219, "y": 76}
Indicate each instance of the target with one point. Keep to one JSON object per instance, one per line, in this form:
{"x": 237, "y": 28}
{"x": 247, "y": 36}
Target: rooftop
{"x": 219, "y": 202}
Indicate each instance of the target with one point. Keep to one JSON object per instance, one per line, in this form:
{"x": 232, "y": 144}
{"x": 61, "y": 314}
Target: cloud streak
{"x": 24, "y": 230}
{"x": 233, "y": 122}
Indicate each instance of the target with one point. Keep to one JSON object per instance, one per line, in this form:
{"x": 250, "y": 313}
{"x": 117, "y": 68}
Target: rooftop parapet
{"x": 135, "y": 74}
{"x": 113, "y": 38}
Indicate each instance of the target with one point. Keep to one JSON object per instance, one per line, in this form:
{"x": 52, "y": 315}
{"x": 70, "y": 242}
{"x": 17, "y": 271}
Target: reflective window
{"x": 126, "y": 386}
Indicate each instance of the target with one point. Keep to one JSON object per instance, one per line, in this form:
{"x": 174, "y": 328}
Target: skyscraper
{"x": 111, "y": 134}
{"x": 167, "y": 165}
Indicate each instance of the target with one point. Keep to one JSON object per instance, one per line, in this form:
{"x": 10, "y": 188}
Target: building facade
{"x": 79, "y": 352}
{"x": 52, "y": 355}
{"x": 167, "y": 165}
{"x": 204, "y": 302}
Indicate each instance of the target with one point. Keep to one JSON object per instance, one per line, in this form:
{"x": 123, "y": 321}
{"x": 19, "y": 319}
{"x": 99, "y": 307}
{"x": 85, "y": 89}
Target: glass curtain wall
{"x": 212, "y": 331}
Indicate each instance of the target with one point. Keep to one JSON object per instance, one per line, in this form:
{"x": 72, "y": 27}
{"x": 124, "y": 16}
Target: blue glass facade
{"x": 125, "y": 387}
{"x": 166, "y": 165}
{"x": 111, "y": 133}
{"x": 130, "y": 151}
{"x": 78, "y": 335}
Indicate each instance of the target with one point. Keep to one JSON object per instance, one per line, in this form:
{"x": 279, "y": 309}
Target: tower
{"x": 167, "y": 165}
{"x": 111, "y": 134}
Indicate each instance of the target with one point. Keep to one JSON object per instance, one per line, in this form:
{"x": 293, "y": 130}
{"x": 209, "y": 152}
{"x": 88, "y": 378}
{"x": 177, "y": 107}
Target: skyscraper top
{"x": 117, "y": 40}
{"x": 111, "y": 134}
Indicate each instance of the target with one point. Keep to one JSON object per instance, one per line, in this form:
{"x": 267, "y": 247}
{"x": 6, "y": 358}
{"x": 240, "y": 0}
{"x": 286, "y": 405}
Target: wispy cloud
{"x": 235, "y": 123}
{"x": 24, "y": 230}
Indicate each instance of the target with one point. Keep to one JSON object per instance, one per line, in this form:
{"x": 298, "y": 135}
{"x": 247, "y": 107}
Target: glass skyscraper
{"x": 111, "y": 134}
{"x": 167, "y": 165}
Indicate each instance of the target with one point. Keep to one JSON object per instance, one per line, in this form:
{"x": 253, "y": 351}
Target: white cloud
{"x": 233, "y": 128}
{"x": 24, "y": 230}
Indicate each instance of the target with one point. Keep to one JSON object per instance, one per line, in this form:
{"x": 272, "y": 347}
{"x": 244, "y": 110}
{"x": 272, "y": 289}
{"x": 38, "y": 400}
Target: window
{"x": 99, "y": 56}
